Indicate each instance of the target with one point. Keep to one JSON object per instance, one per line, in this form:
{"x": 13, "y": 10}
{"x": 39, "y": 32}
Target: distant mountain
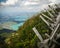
{"x": 6, "y": 31}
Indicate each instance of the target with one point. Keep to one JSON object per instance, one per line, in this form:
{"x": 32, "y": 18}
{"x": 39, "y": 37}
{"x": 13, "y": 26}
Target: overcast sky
{"x": 26, "y": 5}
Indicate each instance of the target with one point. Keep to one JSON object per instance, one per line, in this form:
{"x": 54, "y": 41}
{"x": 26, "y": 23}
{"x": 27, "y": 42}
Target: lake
{"x": 18, "y": 19}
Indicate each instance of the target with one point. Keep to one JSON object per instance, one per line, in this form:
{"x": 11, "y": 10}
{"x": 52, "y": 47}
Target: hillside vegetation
{"x": 25, "y": 36}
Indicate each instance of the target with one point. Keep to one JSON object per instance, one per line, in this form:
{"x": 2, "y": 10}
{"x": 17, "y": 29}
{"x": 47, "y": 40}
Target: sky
{"x": 26, "y": 5}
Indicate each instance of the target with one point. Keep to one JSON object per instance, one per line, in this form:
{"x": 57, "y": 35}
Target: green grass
{"x": 26, "y": 37}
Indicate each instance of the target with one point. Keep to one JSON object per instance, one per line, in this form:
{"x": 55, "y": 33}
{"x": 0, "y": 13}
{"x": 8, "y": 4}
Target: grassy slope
{"x": 26, "y": 37}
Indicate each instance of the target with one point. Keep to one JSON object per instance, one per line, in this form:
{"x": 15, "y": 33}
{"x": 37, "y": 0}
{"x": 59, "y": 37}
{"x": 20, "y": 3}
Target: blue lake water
{"x": 16, "y": 27}
{"x": 18, "y": 18}
{"x": 20, "y": 21}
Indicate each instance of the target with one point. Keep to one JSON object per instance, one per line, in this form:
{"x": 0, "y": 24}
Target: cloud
{"x": 55, "y": 1}
{"x": 30, "y": 3}
{"x": 52, "y": 0}
{"x": 9, "y": 2}
{"x": 25, "y": 5}
{"x": 35, "y": 2}
{"x": 24, "y": 2}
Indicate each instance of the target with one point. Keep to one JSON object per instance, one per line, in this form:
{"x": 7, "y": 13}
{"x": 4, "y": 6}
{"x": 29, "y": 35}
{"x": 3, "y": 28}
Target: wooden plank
{"x": 50, "y": 13}
{"x": 47, "y": 17}
{"x": 58, "y": 35}
{"x": 37, "y": 33}
{"x": 46, "y": 22}
{"x": 41, "y": 39}
{"x": 53, "y": 9}
{"x": 47, "y": 35}
{"x": 53, "y": 33}
{"x": 57, "y": 20}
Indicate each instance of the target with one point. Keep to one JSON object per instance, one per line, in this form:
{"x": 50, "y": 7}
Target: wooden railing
{"x": 53, "y": 26}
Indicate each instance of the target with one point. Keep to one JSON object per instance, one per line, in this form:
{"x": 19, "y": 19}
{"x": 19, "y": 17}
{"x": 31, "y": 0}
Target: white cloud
{"x": 9, "y": 2}
{"x": 52, "y": 0}
{"x": 30, "y": 3}
{"x": 55, "y": 1}
{"x": 34, "y": 0}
